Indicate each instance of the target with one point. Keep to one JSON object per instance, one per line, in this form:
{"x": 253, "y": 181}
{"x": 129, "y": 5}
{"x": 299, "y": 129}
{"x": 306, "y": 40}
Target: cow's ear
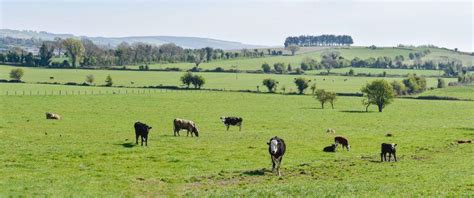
{"x": 394, "y": 145}
{"x": 268, "y": 143}
{"x": 149, "y": 127}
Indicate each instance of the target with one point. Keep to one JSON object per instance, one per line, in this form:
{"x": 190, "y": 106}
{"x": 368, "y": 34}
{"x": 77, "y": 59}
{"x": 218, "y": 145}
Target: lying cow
{"x": 331, "y": 148}
{"x": 343, "y": 141}
{"x": 52, "y": 116}
{"x": 276, "y": 148}
{"x": 188, "y": 125}
{"x": 232, "y": 121}
{"x": 331, "y": 131}
{"x": 390, "y": 149}
{"x": 141, "y": 130}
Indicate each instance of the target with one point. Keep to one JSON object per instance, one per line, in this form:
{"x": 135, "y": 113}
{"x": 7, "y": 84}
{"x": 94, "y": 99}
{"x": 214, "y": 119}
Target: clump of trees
{"x": 323, "y": 96}
{"x": 301, "y": 84}
{"x": 108, "y": 81}
{"x": 196, "y": 80}
{"x": 379, "y": 93}
{"x": 279, "y": 68}
{"x": 271, "y": 84}
{"x": 322, "y": 40}
{"x": 266, "y": 68}
{"x": 16, "y": 74}
{"x": 415, "y": 84}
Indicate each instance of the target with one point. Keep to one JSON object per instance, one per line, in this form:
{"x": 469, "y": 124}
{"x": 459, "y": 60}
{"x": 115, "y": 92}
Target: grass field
{"x": 228, "y": 81}
{"x": 90, "y": 152}
{"x": 315, "y": 53}
{"x": 462, "y": 92}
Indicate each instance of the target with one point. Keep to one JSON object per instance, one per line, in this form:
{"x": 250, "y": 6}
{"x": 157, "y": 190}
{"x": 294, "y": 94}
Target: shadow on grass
{"x": 311, "y": 108}
{"x": 258, "y": 172}
{"x": 127, "y": 145}
{"x": 466, "y": 128}
{"x": 355, "y": 111}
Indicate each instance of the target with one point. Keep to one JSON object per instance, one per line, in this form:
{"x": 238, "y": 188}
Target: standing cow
{"x": 232, "y": 121}
{"x": 188, "y": 125}
{"x": 390, "y": 149}
{"x": 276, "y": 148}
{"x": 141, "y": 130}
{"x": 342, "y": 140}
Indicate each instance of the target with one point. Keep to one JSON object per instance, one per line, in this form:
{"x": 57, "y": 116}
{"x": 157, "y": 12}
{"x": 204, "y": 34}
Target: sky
{"x": 444, "y": 23}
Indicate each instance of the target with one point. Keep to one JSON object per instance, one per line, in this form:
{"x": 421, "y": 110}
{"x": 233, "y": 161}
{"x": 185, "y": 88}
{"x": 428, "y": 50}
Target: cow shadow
{"x": 127, "y": 145}
{"x": 311, "y": 108}
{"x": 258, "y": 172}
{"x": 355, "y": 111}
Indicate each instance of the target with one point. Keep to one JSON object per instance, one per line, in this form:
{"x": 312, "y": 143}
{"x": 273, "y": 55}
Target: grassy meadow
{"x": 228, "y": 81}
{"x": 91, "y": 151}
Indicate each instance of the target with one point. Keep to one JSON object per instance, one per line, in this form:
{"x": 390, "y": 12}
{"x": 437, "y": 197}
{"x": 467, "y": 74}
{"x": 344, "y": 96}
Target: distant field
{"x": 375, "y": 71}
{"x": 462, "y": 92}
{"x": 229, "y": 81}
{"x": 91, "y": 151}
{"x": 315, "y": 53}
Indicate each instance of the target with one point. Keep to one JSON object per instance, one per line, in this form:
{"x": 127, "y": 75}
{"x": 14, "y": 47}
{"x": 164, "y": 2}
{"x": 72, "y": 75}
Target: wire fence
{"x": 96, "y": 92}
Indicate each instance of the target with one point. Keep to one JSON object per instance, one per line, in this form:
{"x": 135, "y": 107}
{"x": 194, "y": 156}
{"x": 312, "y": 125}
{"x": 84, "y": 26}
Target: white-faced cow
{"x": 188, "y": 125}
{"x": 342, "y": 140}
{"x": 141, "y": 130}
{"x": 276, "y": 148}
{"x": 390, "y": 149}
{"x": 52, "y": 116}
{"x": 232, "y": 121}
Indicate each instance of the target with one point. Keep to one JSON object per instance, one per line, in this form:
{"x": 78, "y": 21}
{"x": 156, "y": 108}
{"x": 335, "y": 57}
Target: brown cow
{"x": 342, "y": 140}
{"x": 188, "y": 125}
{"x": 52, "y": 116}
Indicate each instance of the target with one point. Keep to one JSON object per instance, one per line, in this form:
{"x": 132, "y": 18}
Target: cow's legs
{"x": 394, "y": 157}
{"x": 240, "y": 127}
{"x": 389, "y": 156}
{"x": 227, "y": 127}
{"x": 136, "y": 138}
{"x": 279, "y": 164}
{"x": 381, "y": 157}
{"x": 273, "y": 164}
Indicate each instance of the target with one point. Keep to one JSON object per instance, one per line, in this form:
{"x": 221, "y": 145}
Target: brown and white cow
{"x": 343, "y": 141}
{"x": 188, "y": 125}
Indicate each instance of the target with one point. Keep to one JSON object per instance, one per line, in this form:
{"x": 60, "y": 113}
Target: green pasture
{"x": 91, "y": 151}
{"x": 228, "y": 81}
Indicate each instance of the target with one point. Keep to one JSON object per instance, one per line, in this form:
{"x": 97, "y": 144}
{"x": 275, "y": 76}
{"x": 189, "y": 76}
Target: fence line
{"x": 97, "y": 92}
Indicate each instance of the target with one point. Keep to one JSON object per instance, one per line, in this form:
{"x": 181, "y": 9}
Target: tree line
{"x": 322, "y": 40}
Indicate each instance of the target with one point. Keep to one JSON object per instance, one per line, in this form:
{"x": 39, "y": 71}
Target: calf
{"x": 341, "y": 140}
{"x": 52, "y": 116}
{"x": 232, "y": 121}
{"x": 276, "y": 148}
{"x": 390, "y": 149}
{"x": 188, "y": 125}
{"x": 331, "y": 148}
{"x": 141, "y": 130}
{"x": 331, "y": 131}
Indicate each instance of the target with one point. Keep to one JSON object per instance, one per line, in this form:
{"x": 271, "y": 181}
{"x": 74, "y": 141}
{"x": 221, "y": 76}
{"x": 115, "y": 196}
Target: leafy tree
{"x": 90, "y": 79}
{"x": 187, "y": 79}
{"x": 329, "y": 60}
{"x": 279, "y": 67}
{"x": 378, "y": 92}
{"x": 301, "y": 84}
{"x": 351, "y": 72}
{"x": 271, "y": 84}
{"x": 108, "y": 81}
{"x": 198, "y": 81}
{"x": 75, "y": 50}
{"x": 199, "y": 57}
{"x": 321, "y": 97}
{"x": 45, "y": 54}
{"x": 441, "y": 83}
{"x": 293, "y": 49}
{"x": 289, "y": 68}
{"x": 313, "y": 88}
{"x": 331, "y": 97}
{"x": 29, "y": 59}
{"x": 266, "y": 68}
{"x": 415, "y": 84}
{"x": 16, "y": 74}
{"x": 398, "y": 88}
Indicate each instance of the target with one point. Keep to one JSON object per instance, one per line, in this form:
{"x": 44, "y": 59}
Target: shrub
{"x": 108, "y": 81}
{"x": 266, "y": 68}
{"x": 271, "y": 84}
{"x": 415, "y": 84}
{"x": 398, "y": 88}
{"x": 279, "y": 68}
{"x": 198, "y": 81}
{"x": 301, "y": 84}
{"x": 90, "y": 79}
{"x": 16, "y": 74}
{"x": 187, "y": 79}
{"x": 441, "y": 83}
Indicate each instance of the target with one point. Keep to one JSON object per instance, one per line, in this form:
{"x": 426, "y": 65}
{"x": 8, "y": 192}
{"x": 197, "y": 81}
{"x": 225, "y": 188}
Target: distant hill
{"x": 185, "y": 42}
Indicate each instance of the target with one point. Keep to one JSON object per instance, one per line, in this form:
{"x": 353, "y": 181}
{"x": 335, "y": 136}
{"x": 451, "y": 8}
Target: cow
{"x": 232, "y": 121}
{"x": 390, "y": 149}
{"x": 341, "y": 140}
{"x": 331, "y": 131}
{"x": 188, "y": 125}
{"x": 52, "y": 116}
{"x": 141, "y": 130}
{"x": 331, "y": 148}
{"x": 276, "y": 148}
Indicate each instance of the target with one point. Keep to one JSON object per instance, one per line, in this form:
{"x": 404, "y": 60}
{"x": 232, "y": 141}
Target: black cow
{"x": 390, "y": 149}
{"x": 276, "y": 148}
{"x": 141, "y": 130}
{"x": 331, "y": 148}
{"x": 232, "y": 121}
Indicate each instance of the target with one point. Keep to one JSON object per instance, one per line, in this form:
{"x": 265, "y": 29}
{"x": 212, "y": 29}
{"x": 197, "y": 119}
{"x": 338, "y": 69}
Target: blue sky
{"x": 265, "y": 22}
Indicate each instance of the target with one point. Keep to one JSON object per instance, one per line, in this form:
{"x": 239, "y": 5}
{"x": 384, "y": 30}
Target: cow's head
{"x": 273, "y": 145}
{"x": 394, "y": 146}
{"x": 223, "y": 118}
{"x": 196, "y": 131}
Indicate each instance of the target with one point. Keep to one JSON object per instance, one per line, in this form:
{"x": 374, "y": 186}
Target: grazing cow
{"x": 232, "y": 121}
{"x": 276, "y": 148}
{"x": 341, "y": 140}
{"x": 331, "y": 131}
{"x": 52, "y": 116}
{"x": 390, "y": 149}
{"x": 331, "y": 148}
{"x": 141, "y": 130}
{"x": 188, "y": 125}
